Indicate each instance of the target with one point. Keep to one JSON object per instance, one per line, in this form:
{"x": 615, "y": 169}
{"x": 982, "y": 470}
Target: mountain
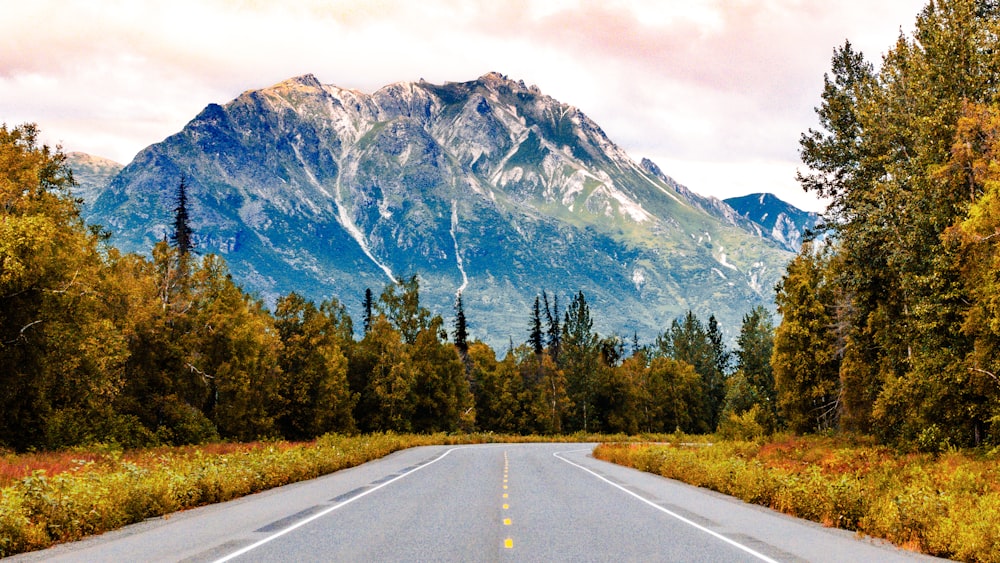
{"x": 780, "y": 221}
{"x": 92, "y": 174}
{"x": 488, "y": 187}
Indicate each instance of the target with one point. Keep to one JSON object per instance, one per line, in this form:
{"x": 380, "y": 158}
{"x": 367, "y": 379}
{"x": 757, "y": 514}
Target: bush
{"x": 945, "y": 505}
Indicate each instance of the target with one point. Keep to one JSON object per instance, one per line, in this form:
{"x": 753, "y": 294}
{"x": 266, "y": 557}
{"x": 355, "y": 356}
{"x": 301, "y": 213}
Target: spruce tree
{"x": 535, "y": 338}
{"x": 554, "y": 330}
{"x": 461, "y": 330}
{"x": 368, "y": 304}
{"x": 182, "y": 237}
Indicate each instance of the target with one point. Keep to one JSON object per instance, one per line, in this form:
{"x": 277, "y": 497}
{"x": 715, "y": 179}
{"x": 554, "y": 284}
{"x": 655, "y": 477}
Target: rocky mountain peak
{"x": 488, "y": 186}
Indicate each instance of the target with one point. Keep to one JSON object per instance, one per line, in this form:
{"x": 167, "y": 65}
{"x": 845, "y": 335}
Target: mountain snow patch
{"x": 639, "y": 278}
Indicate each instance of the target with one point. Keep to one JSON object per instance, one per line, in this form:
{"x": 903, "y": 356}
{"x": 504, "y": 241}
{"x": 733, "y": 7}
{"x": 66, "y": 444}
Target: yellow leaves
{"x": 25, "y": 241}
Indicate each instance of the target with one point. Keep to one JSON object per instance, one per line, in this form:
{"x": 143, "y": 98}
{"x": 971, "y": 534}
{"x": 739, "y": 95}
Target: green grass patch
{"x": 947, "y": 505}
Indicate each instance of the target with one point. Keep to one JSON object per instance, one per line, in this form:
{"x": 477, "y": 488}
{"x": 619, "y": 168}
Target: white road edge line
{"x": 318, "y": 515}
{"x": 717, "y": 535}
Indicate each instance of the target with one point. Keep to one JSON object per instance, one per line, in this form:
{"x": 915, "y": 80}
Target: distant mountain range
{"x": 779, "y": 221}
{"x": 487, "y": 187}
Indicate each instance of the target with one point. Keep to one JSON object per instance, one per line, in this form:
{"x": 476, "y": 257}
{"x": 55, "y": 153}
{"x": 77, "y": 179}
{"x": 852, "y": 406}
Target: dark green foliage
{"x": 535, "y": 337}
{"x": 182, "y": 237}
{"x": 461, "y": 334}
{"x": 751, "y": 388}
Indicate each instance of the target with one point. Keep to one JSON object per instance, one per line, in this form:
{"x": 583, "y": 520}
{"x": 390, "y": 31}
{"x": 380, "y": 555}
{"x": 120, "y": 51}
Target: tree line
{"x": 101, "y": 346}
{"x": 892, "y": 325}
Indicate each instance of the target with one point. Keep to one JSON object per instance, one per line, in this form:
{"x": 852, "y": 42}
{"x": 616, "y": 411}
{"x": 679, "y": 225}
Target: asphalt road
{"x": 524, "y": 502}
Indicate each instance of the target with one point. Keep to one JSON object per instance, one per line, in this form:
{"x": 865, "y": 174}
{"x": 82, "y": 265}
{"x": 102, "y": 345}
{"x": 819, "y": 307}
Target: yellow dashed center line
{"x": 509, "y": 542}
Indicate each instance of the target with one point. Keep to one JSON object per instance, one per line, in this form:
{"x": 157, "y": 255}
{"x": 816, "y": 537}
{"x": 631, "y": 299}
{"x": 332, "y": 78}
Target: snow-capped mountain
{"x": 776, "y": 219}
{"x": 488, "y": 187}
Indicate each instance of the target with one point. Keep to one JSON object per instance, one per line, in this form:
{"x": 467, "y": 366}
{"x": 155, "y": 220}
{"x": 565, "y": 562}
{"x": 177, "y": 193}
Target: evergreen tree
{"x": 368, "y": 305}
{"x": 461, "y": 333}
{"x": 182, "y": 237}
{"x": 535, "y": 337}
{"x": 753, "y": 385}
{"x": 580, "y": 361}
{"x": 554, "y": 332}
{"x": 687, "y": 341}
{"x": 806, "y": 360}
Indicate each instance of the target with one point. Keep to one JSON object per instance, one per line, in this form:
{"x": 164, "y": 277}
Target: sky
{"x": 716, "y": 92}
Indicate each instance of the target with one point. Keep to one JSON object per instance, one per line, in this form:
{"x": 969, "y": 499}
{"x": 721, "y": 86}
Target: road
{"x": 523, "y": 502}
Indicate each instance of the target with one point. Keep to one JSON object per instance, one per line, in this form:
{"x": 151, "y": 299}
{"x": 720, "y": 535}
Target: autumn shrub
{"x": 946, "y": 505}
{"x": 55, "y": 497}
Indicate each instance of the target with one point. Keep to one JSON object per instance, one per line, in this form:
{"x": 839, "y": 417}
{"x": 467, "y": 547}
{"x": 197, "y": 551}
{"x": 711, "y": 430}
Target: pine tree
{"x": 535, "y": 338}
{"x": 368, "y": 304}
{"x": 554, "y": 333}
{"x": 182, "y": 237}
{"x": 580, "y": 359}
{"x": 461, "y": 333}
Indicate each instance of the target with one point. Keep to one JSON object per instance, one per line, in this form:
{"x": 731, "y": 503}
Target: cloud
{"x": 715, "y": 82}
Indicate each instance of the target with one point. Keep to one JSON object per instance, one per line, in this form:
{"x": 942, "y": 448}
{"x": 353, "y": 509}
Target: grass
{"x": 946, "y": 505}
{"x": 48, "y": 498}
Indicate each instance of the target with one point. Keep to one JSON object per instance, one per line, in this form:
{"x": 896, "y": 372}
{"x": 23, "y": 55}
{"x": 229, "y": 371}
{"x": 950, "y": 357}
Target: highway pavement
{"x": 497, "y": 502}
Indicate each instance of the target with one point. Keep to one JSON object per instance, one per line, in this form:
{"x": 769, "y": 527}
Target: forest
{"x": 99, "y": 346}
{"x": 890, "y": 323}
{"x": 888, "y": 320}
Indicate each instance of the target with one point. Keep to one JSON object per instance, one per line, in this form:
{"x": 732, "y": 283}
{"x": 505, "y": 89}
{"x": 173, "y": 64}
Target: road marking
{"x": 319, "y": 515}
{"x": 508, "y": 543}
{"x": 717, "y": 535}
{"x": 506, "y": 506}
{"x": 506, "y": 521}
{"x": 505, "y": 495}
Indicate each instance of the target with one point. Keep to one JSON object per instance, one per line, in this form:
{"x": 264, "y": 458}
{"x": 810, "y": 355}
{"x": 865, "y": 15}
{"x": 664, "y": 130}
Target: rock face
{"x": 92, "y": 174}
{"x": 777, "y": 220}
{"x": 489, "y": 187}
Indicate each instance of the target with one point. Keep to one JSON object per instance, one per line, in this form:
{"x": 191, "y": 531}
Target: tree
{"x": 806, "y": 357}
{"x": 368, "y": 305}
{"x": 752, "y": 387}
{"x": 882, "y": 157}
{"x": 554, "y": 332}
{"x": 61, "y": 352}
{"x": 687, "y": 341}
{"x": 535, "y": 337}
{"x": 441, "y": 393}
{"x": 183, "y": 236}
{"x": 579, "y": 360}
{"x": 315, "y": 391}
{"x": 387, "y": 401}
{"x": 461, "y": 333}
{"x": 400, "y": 303}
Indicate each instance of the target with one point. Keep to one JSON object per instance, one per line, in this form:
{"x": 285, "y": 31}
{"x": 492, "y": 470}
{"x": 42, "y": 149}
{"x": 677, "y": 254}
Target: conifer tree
{"x": 535, "y": 338}
{"x": 554, "y": 333}
{"x": 580, "y": 360}
{"x": 182, "y": 237}
{"x": 461, "y": 333}
{"x": 368, "y": 304}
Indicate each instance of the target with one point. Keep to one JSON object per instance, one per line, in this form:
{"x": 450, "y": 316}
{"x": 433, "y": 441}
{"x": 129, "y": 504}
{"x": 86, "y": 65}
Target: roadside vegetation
{"x": 49, "y": 498}
{"x": 886, "y": 353}
{"x": 946, "y": 504}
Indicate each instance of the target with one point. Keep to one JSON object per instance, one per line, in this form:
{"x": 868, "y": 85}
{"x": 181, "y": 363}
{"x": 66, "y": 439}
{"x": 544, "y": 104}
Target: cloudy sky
{"x": 716, "y": 92}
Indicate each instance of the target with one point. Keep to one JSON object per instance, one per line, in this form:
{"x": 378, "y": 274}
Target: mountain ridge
{"x": 486, "y": 185}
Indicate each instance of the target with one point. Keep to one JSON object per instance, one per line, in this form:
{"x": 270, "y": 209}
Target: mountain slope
{"x": 92, "y": 174}
{"x": 489, "y": 186}
{"x": 777, "y": 219}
